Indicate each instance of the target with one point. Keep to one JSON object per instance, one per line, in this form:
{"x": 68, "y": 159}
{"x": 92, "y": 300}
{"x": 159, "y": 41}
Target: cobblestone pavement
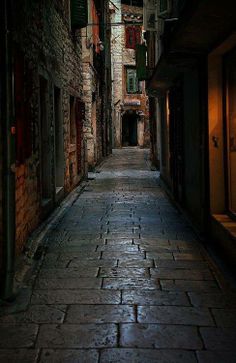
{"x": 123, "y": 280}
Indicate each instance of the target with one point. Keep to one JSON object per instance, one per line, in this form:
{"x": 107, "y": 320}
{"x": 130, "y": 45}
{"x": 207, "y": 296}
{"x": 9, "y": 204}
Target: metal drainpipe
{"x": 8, "y": 142}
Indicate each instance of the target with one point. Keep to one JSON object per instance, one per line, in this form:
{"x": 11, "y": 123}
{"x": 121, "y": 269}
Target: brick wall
{"x": 42, "y": 33}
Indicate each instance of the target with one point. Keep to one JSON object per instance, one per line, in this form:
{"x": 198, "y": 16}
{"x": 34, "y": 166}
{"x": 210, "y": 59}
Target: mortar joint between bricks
{"x": 66, "y": 313}
{"x": 212, "y": 315}
{"x": 188, "y": 297}
{"x": 136, "y": 313}
{"x": 118, "y": 335}
{"x": 121, "y": 297}
{"x": 39, "y": 355}
{"x": 201, "y": 338}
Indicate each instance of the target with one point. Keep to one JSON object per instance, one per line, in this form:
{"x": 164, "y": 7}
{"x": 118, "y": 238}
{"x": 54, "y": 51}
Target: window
{"x": 133, "y": 36}
{"x": 132, "y": 84}
{"x": 163, "y": 5}
{"x": 79, "y": 14}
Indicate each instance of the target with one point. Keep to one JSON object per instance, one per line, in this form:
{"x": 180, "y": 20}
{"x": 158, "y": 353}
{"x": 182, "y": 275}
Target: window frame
{"x": 138, "y": 88}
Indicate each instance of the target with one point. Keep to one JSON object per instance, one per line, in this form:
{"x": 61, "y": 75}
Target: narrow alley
{"x": 124, "y": 279}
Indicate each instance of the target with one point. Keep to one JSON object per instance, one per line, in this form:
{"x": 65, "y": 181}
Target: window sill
{"x": 227, "y": 223}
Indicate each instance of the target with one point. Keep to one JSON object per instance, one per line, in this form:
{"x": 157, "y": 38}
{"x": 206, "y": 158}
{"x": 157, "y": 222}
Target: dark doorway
{"x": 129, "y": 129}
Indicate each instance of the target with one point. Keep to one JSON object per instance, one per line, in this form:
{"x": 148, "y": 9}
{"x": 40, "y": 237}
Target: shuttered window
{"x": 141, "y": 52}
{"x": 163, "y": 5}
{"x": 133, "y": 36}
{"x": 132, "y": 83}
{"x": 79, "y": 14}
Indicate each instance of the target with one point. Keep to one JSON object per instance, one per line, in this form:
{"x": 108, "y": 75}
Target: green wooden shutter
{"x": 141, "y": 50}
{"x": 79, "y": 13}
{"x": 132, "y": 81}
{"x": 163, "y": 5}
{"x": 128, "y": 78}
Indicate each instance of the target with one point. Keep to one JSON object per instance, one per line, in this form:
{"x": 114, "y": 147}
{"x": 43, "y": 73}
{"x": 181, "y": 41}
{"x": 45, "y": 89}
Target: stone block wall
{"x": 117, "y": 38}
{"x": 92, "y": 79}
{"x": 52, "y": 51}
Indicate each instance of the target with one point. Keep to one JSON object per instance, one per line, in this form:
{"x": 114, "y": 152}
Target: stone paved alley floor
{"x": 124, "y": 280}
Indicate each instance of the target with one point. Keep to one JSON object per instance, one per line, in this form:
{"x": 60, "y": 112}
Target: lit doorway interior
{"x": 129, "y": 129}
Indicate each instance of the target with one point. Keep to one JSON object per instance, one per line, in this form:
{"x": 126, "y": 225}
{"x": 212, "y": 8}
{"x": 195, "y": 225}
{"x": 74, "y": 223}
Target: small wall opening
{"x": 129, "y": 129}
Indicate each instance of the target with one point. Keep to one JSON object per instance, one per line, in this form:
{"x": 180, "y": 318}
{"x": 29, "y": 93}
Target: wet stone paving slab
{"x": 123, "y": 279}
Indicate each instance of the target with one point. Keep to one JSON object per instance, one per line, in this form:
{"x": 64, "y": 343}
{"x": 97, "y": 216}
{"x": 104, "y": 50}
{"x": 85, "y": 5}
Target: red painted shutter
{"x": 133, "y": 38}
{"x": 127, "y": 30}
{"x": 130, "y": 37}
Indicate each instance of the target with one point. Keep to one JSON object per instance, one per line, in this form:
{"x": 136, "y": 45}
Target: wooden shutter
{"x": 163, "y": 5}
{"x": 129, "y": 82}
{"x": 132, "y": 84}
{"x": 130, "y": 37}
{"x": 79, "y": 13}
{"x": 141, "y": 51}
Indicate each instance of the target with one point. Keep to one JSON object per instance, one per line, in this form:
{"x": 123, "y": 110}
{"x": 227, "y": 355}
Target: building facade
{"x": 95, "y": 48}
{"x": 129, "y": 100}
{"x": 44, "y": 108}
{"x": 191, "y": 89}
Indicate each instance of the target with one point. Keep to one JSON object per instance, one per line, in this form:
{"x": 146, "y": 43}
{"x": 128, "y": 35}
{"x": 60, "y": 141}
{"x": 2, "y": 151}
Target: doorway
{"x": 230, "y": 128}
{"x": 129, "y": 129}
{"x": 45, "y": 144}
